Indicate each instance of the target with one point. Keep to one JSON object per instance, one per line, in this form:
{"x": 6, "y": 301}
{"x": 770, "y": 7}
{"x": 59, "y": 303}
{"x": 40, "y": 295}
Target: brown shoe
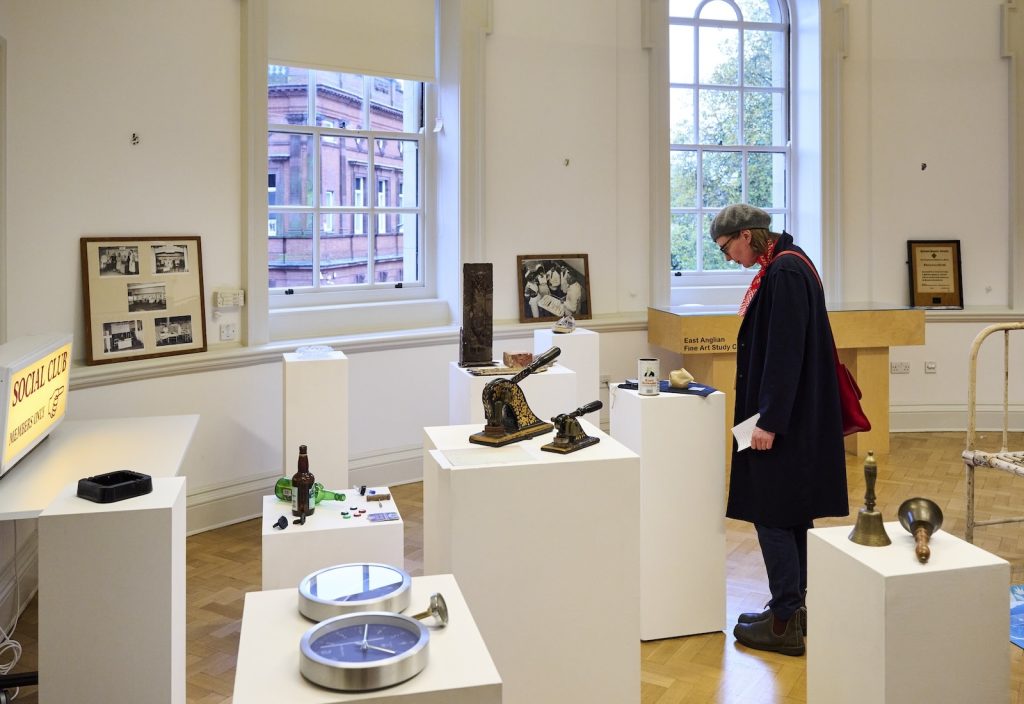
{"x": 759, "y": 635}
{"x": 755, "y": 616}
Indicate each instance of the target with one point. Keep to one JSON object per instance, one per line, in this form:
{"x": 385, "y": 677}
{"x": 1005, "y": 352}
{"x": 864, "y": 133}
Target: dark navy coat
{"x": 785, "y": 369}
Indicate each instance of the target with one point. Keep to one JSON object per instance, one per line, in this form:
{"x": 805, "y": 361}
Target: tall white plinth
{"x": 316, "y": 415}
{"x": 546, "y": 550}
{"x": 112, "y": 598}
{"x": 459, "y": 669}
{"x": 682, "y": 507}
{"x": 581, "y": 352}
{"x": 885, "y": 628}
{"x": 548, "y": 393}
{"x": 329, "y": 538}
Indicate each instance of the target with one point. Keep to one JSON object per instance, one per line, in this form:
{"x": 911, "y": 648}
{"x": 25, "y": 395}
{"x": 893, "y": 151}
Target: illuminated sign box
{"x": 34, "y": 379}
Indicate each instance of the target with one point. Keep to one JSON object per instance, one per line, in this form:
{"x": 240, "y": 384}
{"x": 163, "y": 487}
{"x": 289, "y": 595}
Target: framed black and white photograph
{"x": 146, "y": 297}
{"x": 118, "y": 260}
{"x": 143, "y": 297}
{"x": 552, "y": 286}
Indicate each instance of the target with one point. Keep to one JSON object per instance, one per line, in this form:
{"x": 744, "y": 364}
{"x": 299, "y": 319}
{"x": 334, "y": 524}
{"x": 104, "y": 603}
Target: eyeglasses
{"x": 724, "y": 249}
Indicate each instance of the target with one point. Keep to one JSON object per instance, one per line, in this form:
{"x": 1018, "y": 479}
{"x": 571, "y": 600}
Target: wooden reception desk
{"x": 706, "y": 337}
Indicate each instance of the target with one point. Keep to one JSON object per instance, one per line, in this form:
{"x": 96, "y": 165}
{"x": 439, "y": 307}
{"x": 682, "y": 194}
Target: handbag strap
{"x": 835, "y": 352}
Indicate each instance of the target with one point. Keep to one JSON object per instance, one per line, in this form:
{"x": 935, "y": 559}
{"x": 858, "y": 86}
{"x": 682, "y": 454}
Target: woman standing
{"x": 795, "y": 469}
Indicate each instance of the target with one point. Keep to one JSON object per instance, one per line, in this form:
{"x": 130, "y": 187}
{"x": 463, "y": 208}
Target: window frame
{"x": 371, "y": 290}
{"x": 702, "y": 281}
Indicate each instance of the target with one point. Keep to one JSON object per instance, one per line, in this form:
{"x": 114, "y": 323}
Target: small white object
{"x": 647, "y": 373}
{"x": 228, "y": 332}
{"x": 744, "y": 430}
{"x": 314, "y": 352}
{"x": 931, "y": 367}
{"x": 228, "y": 298}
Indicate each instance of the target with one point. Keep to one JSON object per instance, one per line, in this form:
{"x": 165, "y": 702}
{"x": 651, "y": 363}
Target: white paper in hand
{"x": 743, "y": 431}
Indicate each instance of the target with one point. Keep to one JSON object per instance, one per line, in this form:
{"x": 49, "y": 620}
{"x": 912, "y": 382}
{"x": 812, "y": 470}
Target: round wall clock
{"x": 348, "y": 588}
{"x": 364, "y": 650}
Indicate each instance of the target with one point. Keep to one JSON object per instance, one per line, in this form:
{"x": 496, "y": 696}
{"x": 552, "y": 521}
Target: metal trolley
{"x": 1004, "y": 460}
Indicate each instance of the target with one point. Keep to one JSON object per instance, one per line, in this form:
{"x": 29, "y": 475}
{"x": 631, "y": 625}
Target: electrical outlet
{"x": 931, "y": 367}
{"x": 899, "y": 367}
{"x": 228, "y": 332}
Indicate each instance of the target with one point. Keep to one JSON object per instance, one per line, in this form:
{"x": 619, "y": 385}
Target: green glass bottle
{"x": 283, "y": 491}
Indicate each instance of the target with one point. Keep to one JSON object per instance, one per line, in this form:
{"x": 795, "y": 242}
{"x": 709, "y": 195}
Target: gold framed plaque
{"x": 936, "y": 278}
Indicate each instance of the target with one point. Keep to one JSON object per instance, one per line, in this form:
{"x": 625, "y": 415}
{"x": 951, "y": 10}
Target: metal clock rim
{"x": 363, "y": 676}
{"x": 317, "y": 608}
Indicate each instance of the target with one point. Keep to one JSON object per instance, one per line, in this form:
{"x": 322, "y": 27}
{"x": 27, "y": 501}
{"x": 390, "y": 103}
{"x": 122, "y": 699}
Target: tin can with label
{"x": 647, "y": 376}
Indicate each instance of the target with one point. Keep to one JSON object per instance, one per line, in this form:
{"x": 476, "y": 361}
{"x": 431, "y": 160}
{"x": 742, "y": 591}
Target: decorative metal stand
{"x": 870, "y": 529}
{"x": 569, "y": 436}
{"x": 509, "y": 418}
{"x": 477, "y": 333}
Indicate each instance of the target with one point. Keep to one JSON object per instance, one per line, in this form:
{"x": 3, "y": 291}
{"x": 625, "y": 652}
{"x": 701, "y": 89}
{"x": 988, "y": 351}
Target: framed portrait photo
{"x": 552, "y": 286}
{"x": 936, "y": 279}
{"x": 143, "y": 297}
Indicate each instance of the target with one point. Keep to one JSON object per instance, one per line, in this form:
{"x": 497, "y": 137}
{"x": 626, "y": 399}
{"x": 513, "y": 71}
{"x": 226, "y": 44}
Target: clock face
{"x": 362, "y": 651}
{"x": 360, "y": 586}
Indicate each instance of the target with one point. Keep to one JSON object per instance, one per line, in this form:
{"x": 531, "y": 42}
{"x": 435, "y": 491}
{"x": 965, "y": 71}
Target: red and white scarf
{"x": 764, "y": 260}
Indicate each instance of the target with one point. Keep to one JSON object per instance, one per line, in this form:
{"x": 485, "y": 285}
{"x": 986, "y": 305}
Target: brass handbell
{"x": 921, "y": 518}
{"x": 869, "y": 529}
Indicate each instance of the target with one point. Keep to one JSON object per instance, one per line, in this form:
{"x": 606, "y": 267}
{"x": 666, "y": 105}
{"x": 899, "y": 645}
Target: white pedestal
{"x": 112, "y": 598}
{"x": 459, "y": 669}
{"x": 885, "y": 628}
{"x": 682, "y": 508}
{"x": 546, "y": 549}
{"x": 327, "y": 538}
{"x": 581, "y": 352}
{"x": 316, "y": 415}
{"x": 548, "y": 393}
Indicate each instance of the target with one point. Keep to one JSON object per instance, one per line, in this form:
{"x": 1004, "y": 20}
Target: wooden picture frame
{"x": 143, "y": 297}
{"x": 936, "y": 277}
{"x": 551, "y": 285}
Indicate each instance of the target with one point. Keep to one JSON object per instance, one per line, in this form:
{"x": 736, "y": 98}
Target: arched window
{"x": 729, "y": 122}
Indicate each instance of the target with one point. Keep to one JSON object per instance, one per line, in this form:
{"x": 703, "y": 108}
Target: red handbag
{"x": 854, "y": 418}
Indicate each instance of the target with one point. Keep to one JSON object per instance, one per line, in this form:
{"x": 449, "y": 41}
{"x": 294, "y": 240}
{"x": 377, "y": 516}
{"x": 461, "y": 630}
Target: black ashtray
{"x": 114, "y": 486}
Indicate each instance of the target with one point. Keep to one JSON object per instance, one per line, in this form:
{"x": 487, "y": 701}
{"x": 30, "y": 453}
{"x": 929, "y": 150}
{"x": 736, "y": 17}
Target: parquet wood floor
{"x": 224, "y": 564}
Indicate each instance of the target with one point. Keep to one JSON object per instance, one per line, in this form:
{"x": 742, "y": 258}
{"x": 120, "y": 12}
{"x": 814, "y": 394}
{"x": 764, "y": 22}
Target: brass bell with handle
{"x": 920, "y": 517}
{"x": 870, "y": 529}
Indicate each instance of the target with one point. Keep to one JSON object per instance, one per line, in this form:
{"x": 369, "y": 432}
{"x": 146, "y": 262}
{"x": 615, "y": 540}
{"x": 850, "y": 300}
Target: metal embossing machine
{"x": 509, "y": 418}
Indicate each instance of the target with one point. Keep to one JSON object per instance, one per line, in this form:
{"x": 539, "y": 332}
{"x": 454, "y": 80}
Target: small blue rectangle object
{"x": 385, "y": 516}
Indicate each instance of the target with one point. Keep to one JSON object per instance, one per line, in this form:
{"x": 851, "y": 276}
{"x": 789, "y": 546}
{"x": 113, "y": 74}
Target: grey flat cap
{"x": 740, "y": 216}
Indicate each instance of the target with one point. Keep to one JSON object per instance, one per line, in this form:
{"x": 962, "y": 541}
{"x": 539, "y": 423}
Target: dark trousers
{"x": 785, "y": 558}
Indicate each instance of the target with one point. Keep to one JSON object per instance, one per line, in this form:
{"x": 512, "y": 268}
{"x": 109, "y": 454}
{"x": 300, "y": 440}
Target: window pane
{"x": 409, "y": 229}
{"x": 290, "y": 169}
{"x": 764, "y": 59}
{"x": 394, "y": 105}
{"x": 339, "y": 99}
{"x": 680, "y": 54}
{"x": 718, "y": 60}
{"x": 680, "y": 115}
{"x": 287, "y": 95}
{"x": 719, "y": 117}
{"x": 683, "y": 179}
{"x": 722, "y": 178}
{"x": 766, "y": 180}
{"x": 290, "y": 251}
{"x": 763, "y": 119}
{"x": 759, "y": 10}
{"x": 396, "y": 165}
{"x": 718, "y": 10}
{"x": 684, "y": 242}
{"x": 713, "y": 258}
{"x": 343, "y": 253}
